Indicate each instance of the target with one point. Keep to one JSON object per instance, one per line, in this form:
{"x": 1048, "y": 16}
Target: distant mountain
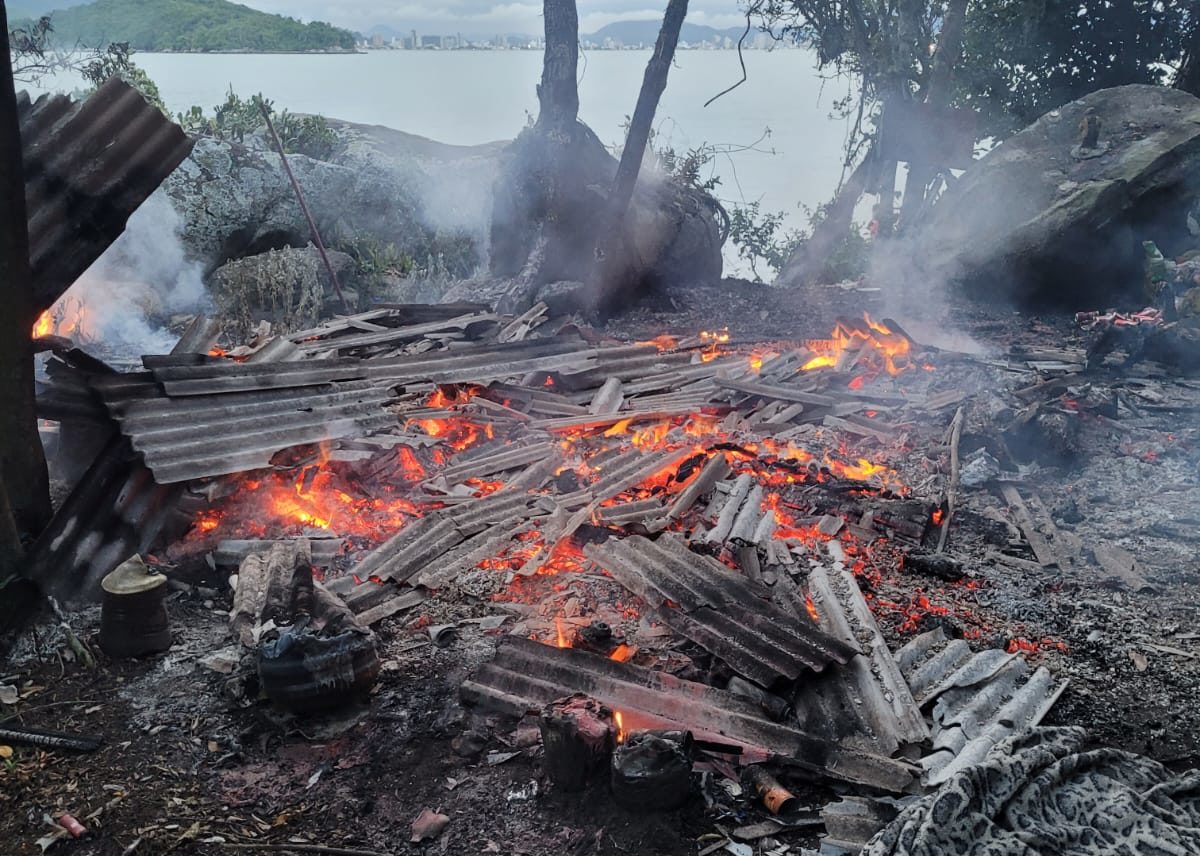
{"x": 646, "y": 32}
{"x": 191, "y": 25}
{"x": 385, "y": 31}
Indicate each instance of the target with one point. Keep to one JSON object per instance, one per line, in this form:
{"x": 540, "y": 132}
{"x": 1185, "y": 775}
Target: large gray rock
{"x": 1038, "y": 220}
{"x": 236, "y": 200}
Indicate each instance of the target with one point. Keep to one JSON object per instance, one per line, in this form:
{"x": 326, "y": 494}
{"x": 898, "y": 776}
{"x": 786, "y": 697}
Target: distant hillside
{"x": 646, "y": 32}
{"x": 192, "y": 25}
{"x": 386, "y": 31}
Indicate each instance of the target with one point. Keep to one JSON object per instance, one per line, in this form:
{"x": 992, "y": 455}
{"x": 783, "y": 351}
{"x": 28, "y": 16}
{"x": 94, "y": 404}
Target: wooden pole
{"x": 312, "y": 224}
{"x": 22, "y": 459}
{"x": 609, "y": 273}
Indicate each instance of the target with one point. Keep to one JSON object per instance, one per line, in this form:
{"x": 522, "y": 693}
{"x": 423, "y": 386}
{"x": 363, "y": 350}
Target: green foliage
{"x": 687, "y": 168}
{"x": 453, "y": 255}
{"x": 117, "y": 60}
{"x": 194, "y": 25}
{"x": 376, "y": 262}
{"x": 306, "y": 135}
{"x": 435, "y": 256}
{"x": 1020, "y": 58}
{"x": 238, "y": 118}
{"x": 760, "y": 238}
{"x": 31, "y": 43}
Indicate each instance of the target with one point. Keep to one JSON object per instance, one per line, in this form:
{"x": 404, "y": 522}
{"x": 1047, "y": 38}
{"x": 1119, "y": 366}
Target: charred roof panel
{"x": 526, "y": 675}
{"x": 719, "y": 610}
{"x": 88, "y": 166}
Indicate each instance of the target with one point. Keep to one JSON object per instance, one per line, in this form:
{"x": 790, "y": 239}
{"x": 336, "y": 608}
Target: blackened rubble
{"x": 497, "y": 493}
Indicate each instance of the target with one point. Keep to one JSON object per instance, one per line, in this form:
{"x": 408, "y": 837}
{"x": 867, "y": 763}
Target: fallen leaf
{"x": 1139, "y": 660}
{"x": 8, "y": 694}
{"x": 6, "y": 752}
{"x": 495, "y": 758}
{"x": 429, "y": 824}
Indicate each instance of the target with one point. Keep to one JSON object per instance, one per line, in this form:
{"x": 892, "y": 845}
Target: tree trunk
{"x": 558, "y": 93}
{"x": 22, "y": 460}
{"x": 804, "y": 265}
{"x": 1188, "y": 76}
{"x": 611, "y": 272}
{"x": 937, "y": 95}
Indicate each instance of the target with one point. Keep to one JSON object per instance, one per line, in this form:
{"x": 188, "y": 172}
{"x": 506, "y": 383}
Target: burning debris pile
{"x": 697, "y": 539}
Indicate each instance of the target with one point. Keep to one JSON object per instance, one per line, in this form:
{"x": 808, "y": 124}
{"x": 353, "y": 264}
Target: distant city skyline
{"x": 476, "y": 19}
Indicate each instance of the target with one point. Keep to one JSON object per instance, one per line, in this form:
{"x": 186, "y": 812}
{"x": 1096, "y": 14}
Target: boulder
{"x": 235, "y": 201}
{"x": 1042, "y": 220}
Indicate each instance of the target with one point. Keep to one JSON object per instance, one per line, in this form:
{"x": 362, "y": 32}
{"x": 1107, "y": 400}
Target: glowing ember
{"x": 621, "y": 653}
{"x": 938, "y": 516}
{"x": 811, "y": 608}
{"x": 868, "y": 343}
{"x": 713, "y": 340}
{"x": 663, "y": 342}
{"x": 316, "y": 499}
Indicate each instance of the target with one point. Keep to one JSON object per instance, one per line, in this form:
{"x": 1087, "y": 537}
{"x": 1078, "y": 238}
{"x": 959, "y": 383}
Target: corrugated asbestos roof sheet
{"x": 198, "y": 436}
{"x": 526, "y": 675}
{"x": 865, "y": 702}
{"x": 982, "y": 698}
{"x": 718, "y": 609}
{"x": 88, "y": 166}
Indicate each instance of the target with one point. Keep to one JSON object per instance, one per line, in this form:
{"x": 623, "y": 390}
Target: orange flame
{"x": 811, "y": 607}
{"x": 68, "y": 317}
{"x": 563, "y": 641}
{"x": 877, "y": 346}
{"x": 620, "y": 722}
{"x": 44, "y": 326}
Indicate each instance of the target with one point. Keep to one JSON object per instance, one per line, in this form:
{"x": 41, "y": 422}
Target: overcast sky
{"x": 480, "y": 17}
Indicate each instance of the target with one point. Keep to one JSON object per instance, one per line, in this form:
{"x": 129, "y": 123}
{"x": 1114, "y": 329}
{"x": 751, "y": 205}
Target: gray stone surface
{"x": 235, "y": 200}
{"x": 1040, "y": 220}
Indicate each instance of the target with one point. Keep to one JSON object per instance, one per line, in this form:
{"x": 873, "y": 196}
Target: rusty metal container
{"x": 133, "y": 617}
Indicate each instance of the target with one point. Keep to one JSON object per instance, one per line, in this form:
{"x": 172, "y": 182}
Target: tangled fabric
{"x": 1041, "y": 794}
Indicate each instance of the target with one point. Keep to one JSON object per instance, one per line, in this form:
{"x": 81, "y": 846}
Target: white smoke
{"x": 123, "y": 302}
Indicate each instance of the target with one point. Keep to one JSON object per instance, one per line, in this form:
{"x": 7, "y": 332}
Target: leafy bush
{"x": 761, "y": 239}
{"x": 437, "y": 257}
{"x": 306, "y": 135}
{"x": 238, "y": 118}
{"x": 117, "y": 61}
